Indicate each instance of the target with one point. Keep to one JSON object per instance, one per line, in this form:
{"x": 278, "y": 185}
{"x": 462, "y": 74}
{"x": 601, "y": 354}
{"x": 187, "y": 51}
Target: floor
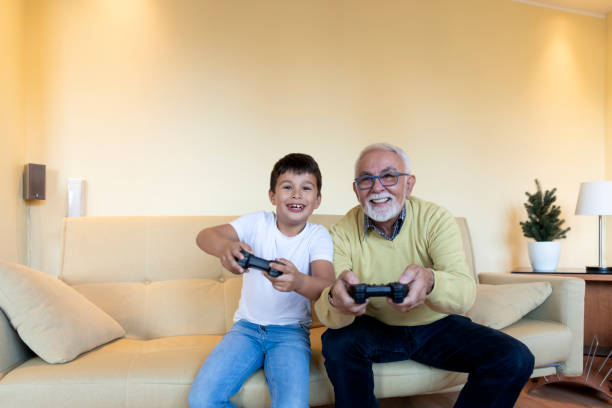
{"x": 547, "y": 396}
{"x": 544, "y": 396}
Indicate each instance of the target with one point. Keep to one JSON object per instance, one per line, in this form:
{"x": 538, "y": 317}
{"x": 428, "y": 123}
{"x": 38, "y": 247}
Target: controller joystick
{"x": 252, "y": 261}
{"x": 394, "y": 290}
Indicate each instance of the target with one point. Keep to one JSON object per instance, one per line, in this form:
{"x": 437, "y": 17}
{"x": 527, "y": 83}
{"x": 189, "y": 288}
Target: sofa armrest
{"x": 12, "y": 350}
{"x": 565, "y": 305}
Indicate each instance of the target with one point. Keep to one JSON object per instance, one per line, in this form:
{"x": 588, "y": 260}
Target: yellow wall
{"x": 12, "y": 142}
{"x": 182, "y": 107}
{"x": 608, "y": 115}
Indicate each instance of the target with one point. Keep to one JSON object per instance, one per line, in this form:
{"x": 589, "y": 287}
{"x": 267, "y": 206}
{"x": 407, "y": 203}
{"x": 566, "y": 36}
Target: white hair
{"x": 388, "y": 147}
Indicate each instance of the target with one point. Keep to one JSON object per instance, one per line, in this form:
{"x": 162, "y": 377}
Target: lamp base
{"x": 599, "y": 269}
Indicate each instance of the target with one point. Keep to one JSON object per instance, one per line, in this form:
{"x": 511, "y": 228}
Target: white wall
{"x": 12, "y": 141}
{"x": 175, "y": 108}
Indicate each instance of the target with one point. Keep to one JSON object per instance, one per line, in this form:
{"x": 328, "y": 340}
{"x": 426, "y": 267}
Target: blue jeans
{"x": 498, "y": 365}
{"x": 282, "y": 351}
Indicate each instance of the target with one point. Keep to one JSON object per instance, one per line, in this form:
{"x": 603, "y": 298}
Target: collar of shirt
{"x": 369, "y": 223}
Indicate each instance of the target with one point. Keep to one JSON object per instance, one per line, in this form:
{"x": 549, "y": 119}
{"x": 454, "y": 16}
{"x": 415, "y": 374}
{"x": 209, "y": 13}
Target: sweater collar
{"x": 368, "y": 224}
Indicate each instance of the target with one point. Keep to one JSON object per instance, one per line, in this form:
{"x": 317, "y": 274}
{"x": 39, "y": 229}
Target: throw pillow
{"x": 498, "y": 306}
{"x": 53, "y": 319}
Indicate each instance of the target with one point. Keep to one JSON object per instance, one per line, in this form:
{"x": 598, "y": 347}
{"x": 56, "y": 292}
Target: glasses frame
{"x": 373, "y": 179}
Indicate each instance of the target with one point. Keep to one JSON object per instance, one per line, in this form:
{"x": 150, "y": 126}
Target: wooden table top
{"x": 573, "y": 272}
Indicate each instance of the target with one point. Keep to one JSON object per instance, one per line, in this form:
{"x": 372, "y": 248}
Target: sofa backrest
{"x": 148, "y": 273}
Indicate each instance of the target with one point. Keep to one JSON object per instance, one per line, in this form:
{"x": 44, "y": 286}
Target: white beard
{"x": 391, "y": 209}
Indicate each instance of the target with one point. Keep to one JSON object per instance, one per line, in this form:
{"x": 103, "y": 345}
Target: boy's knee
{"x": 192, "y": 400}
{"x": 198, "y": 398}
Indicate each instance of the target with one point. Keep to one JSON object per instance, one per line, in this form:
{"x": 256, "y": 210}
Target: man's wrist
{"x": 433, "y": 280}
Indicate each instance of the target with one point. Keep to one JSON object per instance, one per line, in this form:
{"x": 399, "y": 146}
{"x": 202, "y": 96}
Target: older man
{"x": 393, "y": 236}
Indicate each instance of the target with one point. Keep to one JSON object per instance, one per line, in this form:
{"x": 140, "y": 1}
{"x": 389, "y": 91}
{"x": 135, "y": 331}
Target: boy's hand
{"x": 229, "y": 255}
{"x": 290, "y": 280}
{"x": 340, "y": 298}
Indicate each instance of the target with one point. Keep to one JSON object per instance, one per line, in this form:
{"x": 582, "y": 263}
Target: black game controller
{"x": 395, "y": 290}
{"x": 251, "y": 261}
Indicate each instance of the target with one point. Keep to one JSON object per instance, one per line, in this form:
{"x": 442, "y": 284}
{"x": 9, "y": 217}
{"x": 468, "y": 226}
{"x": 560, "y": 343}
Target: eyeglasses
{"x": 385, "y": 179}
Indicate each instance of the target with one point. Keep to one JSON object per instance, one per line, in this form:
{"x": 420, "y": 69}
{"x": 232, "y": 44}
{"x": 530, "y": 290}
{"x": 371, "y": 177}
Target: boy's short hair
{"x": 298, "y": 163}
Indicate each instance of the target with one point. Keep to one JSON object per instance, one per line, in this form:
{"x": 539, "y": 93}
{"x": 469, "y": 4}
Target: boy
{"x": 271, "y": 325}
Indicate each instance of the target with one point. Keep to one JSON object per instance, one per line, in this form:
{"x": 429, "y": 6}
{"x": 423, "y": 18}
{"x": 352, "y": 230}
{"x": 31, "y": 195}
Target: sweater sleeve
{"x": 326, "y": 313}
{"x": 454, "y": 288}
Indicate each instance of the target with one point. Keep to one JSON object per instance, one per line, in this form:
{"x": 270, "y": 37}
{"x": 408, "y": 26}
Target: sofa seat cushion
{"x": 550, "y": 342}
{"x": 124, "y": 373}
{"x": 159, "y": 372}
{"x": 130, "y": 373}
{"x": 399, "y": 378}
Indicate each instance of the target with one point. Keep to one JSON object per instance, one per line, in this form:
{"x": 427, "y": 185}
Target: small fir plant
{"x": 543, "y": 222}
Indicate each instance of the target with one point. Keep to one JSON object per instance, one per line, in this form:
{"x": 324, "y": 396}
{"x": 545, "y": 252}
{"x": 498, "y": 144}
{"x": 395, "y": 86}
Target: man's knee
{"x": 335, "y": 344}
{"x": 522, "y": 360}
{"x": 508, "y": 358}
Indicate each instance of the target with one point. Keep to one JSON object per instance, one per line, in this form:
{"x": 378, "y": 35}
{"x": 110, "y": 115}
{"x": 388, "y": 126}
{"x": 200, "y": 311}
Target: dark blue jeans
{"x": 498, "y": 364}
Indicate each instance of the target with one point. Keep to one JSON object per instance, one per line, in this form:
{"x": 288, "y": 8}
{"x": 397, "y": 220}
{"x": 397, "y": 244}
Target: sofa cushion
{"x": 390, "y": 379}
{"x": 158, "y": 373}
{"x": 164, "y": 308}
{"x": 52, "y": 318}
{"x": 168, "y": 308}
{"x": 550, "y": 342}
{"x": 498, "y": 306}
{"x": 133, "y": 373}
{"x": 136, "y": 249}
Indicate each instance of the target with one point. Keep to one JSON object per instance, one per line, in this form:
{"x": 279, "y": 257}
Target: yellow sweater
{"x": 429, "y": 237}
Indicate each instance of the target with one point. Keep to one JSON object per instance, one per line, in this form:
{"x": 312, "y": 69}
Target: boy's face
{"x": 295, "y": 197}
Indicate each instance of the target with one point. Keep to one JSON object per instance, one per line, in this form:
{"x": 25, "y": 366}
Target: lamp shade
{"x": 595, "y": 198}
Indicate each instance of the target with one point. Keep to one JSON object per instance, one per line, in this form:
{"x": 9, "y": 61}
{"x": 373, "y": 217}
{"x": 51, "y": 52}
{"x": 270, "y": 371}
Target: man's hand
{"x": 290, "y": 280}
{"x": 341, "y": 300}
{"x": 229, "y": 255}
{"x": 420, "y": 282}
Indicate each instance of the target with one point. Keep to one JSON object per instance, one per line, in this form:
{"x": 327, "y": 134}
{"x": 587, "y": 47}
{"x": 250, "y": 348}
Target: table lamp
{"x": 595, "y": 198}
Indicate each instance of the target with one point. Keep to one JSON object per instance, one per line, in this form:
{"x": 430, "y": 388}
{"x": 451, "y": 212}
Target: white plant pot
{"x": 544, "y": 255}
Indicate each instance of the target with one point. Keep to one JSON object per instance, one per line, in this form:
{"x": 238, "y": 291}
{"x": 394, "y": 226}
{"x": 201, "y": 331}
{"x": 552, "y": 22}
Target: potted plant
{"x": 544, "y": 226}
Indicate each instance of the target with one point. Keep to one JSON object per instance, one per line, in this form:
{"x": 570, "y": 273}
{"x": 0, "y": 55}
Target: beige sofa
{"x": 175, "y": 303}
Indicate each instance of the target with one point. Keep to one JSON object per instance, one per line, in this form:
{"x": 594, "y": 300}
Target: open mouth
{"x": 381, "y": 200}
{"x": 295, "y": 207}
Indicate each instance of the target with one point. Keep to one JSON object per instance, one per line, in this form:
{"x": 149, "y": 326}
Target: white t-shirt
{"x": 260, "y": 303}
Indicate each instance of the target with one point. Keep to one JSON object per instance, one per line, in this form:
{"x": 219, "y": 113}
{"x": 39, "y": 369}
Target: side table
{"x": 597, "y": 305}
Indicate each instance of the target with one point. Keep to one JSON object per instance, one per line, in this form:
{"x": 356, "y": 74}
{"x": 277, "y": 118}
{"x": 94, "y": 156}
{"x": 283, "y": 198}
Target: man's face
{"x": 379, "y": 202}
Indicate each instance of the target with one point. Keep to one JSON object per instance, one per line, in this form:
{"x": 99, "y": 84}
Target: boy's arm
{"x": 222, "y": 241}
{"x": 308, "y": 286}
{"x": 322, "y": 276}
